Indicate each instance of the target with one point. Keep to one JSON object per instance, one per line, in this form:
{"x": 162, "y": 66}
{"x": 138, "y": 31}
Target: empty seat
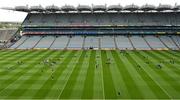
{"x": 139, "y": 43}
{"x": 19, "y": 42}
{"x": 45, "y": 42}
{"x": 30, "y": 42}
{"x": 91, "y": 42}
{"x": 107, "y": 42}
{"x": 76, "y": 42}
{"x": 60, "y": 42}
{"x": 154, "y": 42}
{"x": 123, "y": 42}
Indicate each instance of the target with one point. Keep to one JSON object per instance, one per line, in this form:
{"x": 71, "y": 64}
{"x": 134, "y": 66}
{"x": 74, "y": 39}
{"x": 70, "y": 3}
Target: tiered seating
{"x": 168, "y": 41}
{"x": 45, "y": 42}
{"x": 91, "y": 42}
{"x": 76, "y": 42}
{"x": 126, "y": 19}
{"x": 19, "y": 42}
{"x": 60, "y": 42}
{"x": 107, "y": 42}
{"x": 30, "y": 42}
{"x": 98, "y": 42}
{"x": 154, "y": 42}
{"x": 176, "y": 39}
{"x": 123, "y": 42}
{"x": 139, "y": 43}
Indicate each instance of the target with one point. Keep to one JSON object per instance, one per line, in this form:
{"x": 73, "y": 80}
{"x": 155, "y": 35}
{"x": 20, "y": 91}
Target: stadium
{"x": 92, "y": 52}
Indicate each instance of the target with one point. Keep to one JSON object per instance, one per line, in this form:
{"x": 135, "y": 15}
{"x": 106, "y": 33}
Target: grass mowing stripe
{"x": 132, "y": 87}
{"x": 45, "y": 75}
{"x": 63, "y": 79}
{"x": 6, "y": 52}
{"x": 80, "y": 81}
{"x": 67, "y": 91}
{"x": 156, "y": 90}
{"x": 173, "y": 67}
{"x": 98, "y": 88}
{"x": 118, "y": 82}
{"x": 89, "y": 82}
{"x": 109, "y": 89}
{"x": 166, "y": 70}
{"x": 174, "y": 74}
{"x": 147, "y": 68}
{"x": 162, "y": 78}
{"x": 9, "y": 64}
{"x": 9, "y": 54}
{"x": 14, "y": 78}
{"x": 41, "y": 93}
{"x": 30, "y": 81}
{"x": 141, "y": 79}
{"x": 138, "y": 80}
{"x": 100, "y": 77}
{"x": 12, "y": 64}
{"x": 176, "y": 60}
{"x": 174, "y": 53}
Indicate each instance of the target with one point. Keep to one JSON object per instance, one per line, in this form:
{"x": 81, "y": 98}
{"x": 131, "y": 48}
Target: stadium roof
{"x": 148, "y": 7}
{"x": 115, "y": 8}
{"x": 84, "y": 8}
{"x": 67, "y": 8}
{"x": 131, "y": 7}
{"x": 99, "y": 7}
{"x": 37, "y": 8}
{"x": 93, "y": 8}
{"x": 163, "y": 7}
{"x": 22, "y": 8}
{"x": 52, "y": 8}
{"x": 176, "y": 7}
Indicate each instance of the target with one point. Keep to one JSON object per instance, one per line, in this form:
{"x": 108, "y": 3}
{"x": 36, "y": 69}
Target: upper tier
{"x": 102, "y": 19}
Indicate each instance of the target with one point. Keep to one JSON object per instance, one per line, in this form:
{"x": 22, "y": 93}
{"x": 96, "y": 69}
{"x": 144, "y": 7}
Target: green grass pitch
{"x": 71, "y": 74}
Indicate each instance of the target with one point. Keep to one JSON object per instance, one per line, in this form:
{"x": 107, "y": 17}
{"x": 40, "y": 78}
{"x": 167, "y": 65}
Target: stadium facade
{"x": 99, "y": 27}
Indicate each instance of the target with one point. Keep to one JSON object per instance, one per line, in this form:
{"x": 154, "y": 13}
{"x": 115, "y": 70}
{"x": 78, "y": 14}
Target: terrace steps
{"x": 147, "y": 43}
{"x": 68, "y": 43}
{"x": 83, "y": 44}
{"x": 52, "y": 42}
{"x": 21, "y": 43}
{"x": 175, "y": 43}
{"x": 37, "y": 43}
{"x": 115, "y": 43}
{"x": 99, "y": 42}
{"x": 163, "y": 43}
{"x": 131, "y": 43}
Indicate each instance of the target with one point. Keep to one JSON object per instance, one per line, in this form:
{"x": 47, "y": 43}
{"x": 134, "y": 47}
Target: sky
{"x": 14, "y": 16}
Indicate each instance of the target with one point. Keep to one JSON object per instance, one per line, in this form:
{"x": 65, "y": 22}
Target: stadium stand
{"x": 176, "y": 40}
{"x": 139, "y": 43}
{"x": 60, "y": 42}
{"x": 107, "y": 42}
{"x": 20, "y": 42}
{"x": 91, "y": 42}
{"x": 168, "y": 42}
{"x": 75, "y": 42}
{"x": 123, "y": 43}
{"x": 30, "y": 43}
{"x": 155, "y": 43}
{"x": 5, "y": 35}
{"x": 45, "y": 42}
{"x": 128, "y": 27}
